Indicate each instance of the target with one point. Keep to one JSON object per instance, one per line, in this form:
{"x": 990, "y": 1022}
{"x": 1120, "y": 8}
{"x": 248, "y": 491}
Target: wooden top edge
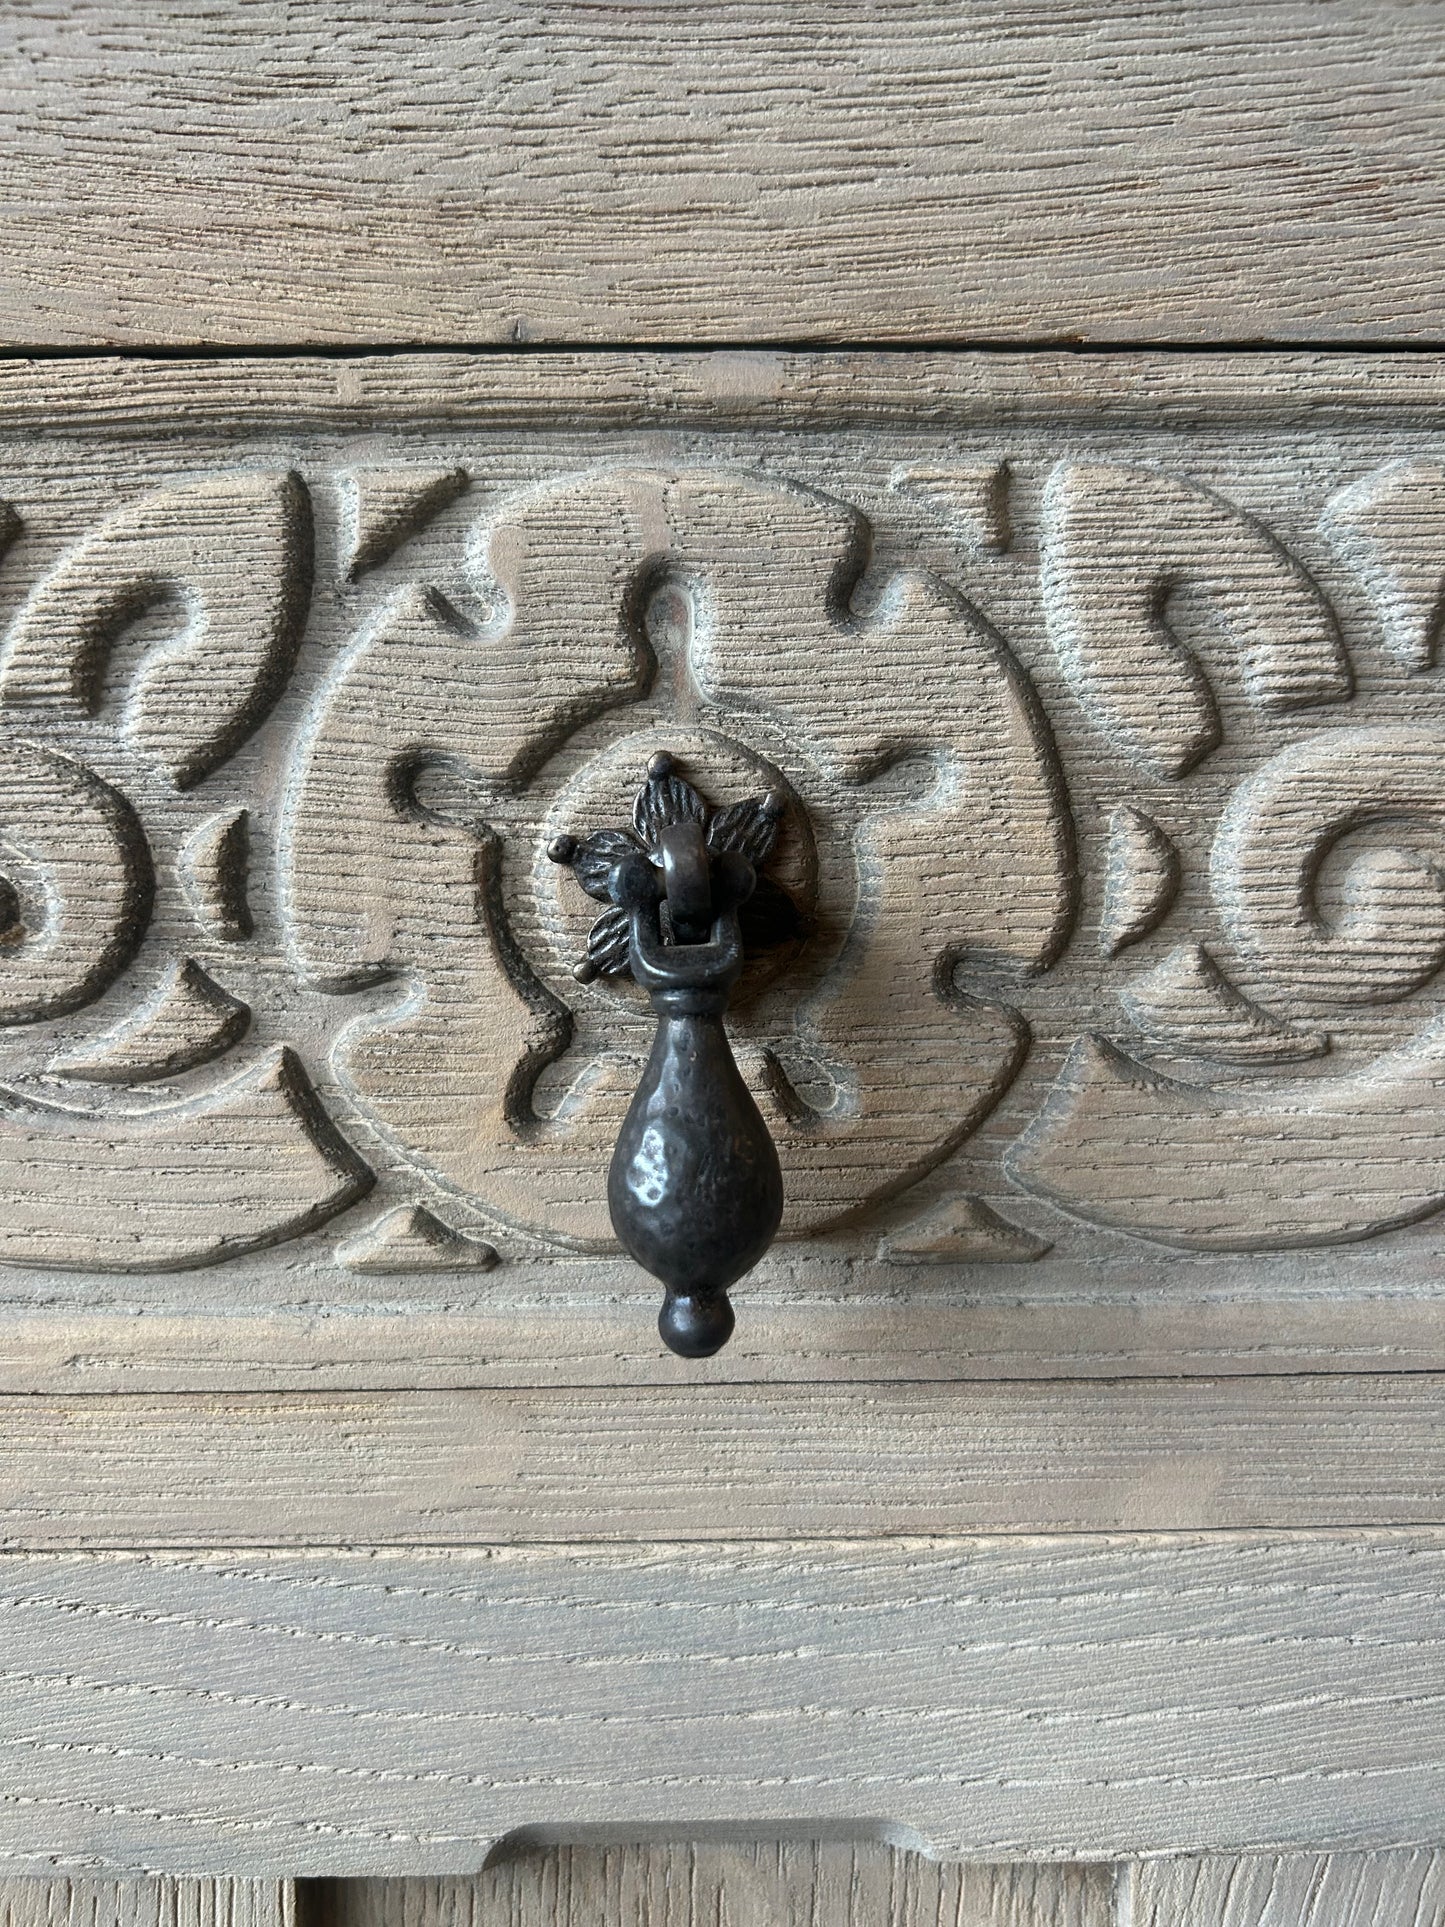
{"x": 719, "y": 387}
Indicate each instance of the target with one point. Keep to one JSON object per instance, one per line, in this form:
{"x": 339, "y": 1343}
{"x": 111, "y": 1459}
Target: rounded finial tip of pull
{"x": 562, "y": 849}
{"x": 660, "y": 765}
{"x": 695, "y": 1327}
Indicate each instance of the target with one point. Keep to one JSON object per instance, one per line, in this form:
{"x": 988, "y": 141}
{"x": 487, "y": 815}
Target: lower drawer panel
{"x": 402, "y": 1712}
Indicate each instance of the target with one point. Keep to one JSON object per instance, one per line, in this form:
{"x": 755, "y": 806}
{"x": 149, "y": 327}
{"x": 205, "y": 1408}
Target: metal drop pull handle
{"x": 695, "y": 1190}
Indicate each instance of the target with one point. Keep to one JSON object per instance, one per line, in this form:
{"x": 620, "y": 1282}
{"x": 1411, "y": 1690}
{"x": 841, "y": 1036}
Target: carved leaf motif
{"x": 1387, "y": 526}
{"x": 97, "y": 883}
{"x": 254, "y": 1162}
{"x": 1187, "y": 1003}
{"x": 963, "y": 1231}
{"x": 608, "y": 943}
{"x": 1291, "y": 1165}
{"x": 214, "y": 872}
{"x": 749, "y": 827}
{"x": 666, "y": 800}
{"x": 382, "y": 507}
{"x": 1278, "y": 827}
{"x": 596, "y": 858}
{"x": 1118, "y": 544}
{"x": 234, "y": 553}
{"x": 191, "y": 1020}
{"x": 1141, "y": 880}
{"x": 411, "y": 1238}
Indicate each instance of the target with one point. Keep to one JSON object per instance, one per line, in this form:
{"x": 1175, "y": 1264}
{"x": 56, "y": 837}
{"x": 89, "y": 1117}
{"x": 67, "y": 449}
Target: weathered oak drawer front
{"x": 361, "y": 1523}
{"x": 1103, "y": 694}
{"x": 516, "y": 795}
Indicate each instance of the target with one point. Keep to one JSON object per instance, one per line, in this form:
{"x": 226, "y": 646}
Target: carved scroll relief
{"x": 1142, "y": 940}
{"x": 1325, "y": 878}
{"x": 973, "y": 863}
{"x": 251, "y": 1158}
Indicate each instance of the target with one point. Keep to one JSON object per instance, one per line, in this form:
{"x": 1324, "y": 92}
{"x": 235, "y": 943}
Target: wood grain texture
{"x": 442, "y": 173}
{"x": 1292, "y": 1890}
{"x": 159, "y": 1902}
{"x": 726, "y": 1463}
{"x": 760, "y": 389}
{"x": 708, "y": 1883}
{"x": 379, "y": 1713}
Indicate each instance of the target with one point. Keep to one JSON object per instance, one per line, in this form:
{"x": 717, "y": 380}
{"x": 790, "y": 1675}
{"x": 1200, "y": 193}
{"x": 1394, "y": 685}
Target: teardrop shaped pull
{"x": 695, "y": 1190}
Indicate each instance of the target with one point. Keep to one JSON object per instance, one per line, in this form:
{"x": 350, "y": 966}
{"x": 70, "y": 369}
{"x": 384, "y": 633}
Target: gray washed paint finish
{"x": 1069, "y": 1501}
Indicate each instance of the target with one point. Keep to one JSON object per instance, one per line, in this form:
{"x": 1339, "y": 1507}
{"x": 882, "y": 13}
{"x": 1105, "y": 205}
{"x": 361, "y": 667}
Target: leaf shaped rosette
{"x": 749, "y": 829}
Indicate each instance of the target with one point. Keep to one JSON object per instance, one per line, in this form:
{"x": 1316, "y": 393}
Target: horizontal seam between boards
{"x": 1347, "y": 1531}
{"x": 1351, "y": 1531}
{"x": 763, "y": 344}
{"x": 533, "y": 1388}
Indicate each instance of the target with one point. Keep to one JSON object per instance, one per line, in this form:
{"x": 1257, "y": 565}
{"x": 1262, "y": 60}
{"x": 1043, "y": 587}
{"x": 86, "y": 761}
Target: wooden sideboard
{"x": 1016, "y": 442}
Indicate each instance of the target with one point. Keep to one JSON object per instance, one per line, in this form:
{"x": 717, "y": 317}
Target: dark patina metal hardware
{"x": 695, "y": 1191}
